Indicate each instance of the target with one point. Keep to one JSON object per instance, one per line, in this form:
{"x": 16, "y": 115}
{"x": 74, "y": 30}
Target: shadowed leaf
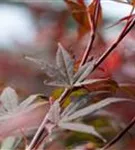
{"x": 81, "y": 128}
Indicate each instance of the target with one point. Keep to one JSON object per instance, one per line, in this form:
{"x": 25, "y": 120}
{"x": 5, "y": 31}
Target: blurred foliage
{"x": 68, "y": 22}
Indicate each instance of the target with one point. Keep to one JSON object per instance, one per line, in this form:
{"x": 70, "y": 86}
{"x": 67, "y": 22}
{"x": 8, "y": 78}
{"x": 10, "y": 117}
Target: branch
{"x": 127, "y": 28}
{"x": 93, "y": 21}
{"x": 120, "y": 135}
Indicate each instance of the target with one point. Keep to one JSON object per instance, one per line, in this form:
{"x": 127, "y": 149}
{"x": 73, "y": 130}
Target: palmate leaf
{"x": 65, "y": 63}
{"x": 56, "y": 76}
{"x": 95, "y": 107}
{"x": 10, "y": 102}
{"x": 80, "y": 128}
{"x": 133, "y": 2}
{"x": 56, "y": 121}
{"x": 8, "y": 143}
{"x": 107, "y": 85}
{"x": 62, "y": 74}
{"x": 16, "y": 116}
{"x": 26, "y": 120}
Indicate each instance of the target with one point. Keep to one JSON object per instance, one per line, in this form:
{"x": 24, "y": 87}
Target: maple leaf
{"x": 67, "y": 119}
{"x": 15, "y": 115}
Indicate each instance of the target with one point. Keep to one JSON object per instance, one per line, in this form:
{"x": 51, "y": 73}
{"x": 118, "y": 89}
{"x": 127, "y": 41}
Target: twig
{"x": 42, "y": 138}
{"x": 119, "y": 135}
{"x": 114, "y": 45}
{"x": 37, "y": 135}
{"x": 93, "y": 25}
{"x": 90, "y": 42}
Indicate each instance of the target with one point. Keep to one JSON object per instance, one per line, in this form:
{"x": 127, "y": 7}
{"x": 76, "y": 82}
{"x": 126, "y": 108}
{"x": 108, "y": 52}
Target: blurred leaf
{"x": 36, "y": 61}
{"x": 9, "y": 99}
{"x": 80, "y": 12}
{"x": 64, "y": 76}
{"x": 83, "y": 72}
{"x": 129, "y": 89}
{"x": 15, "y": 116}
{"x": 81, "y": 128}
{"x": 81, "y": 138}
{"x": 8, "y": 143}
{"x": 32, "y": 102}
{"x": 27, "y": 121}
{"x": 54, "y": 113}
{"x": 80, "y": 1}
{"x": 10, "y": 102}
{"x": 132, "y": 2}
{"x": 108, "y": 85}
